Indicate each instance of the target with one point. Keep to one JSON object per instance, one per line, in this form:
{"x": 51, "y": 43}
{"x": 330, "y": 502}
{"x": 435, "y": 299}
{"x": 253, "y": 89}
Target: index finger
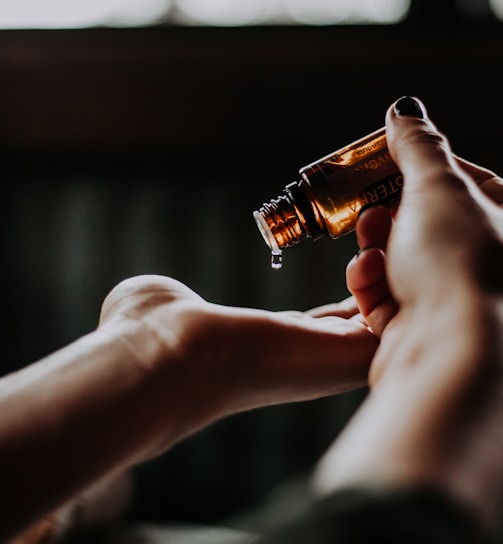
{"x": 488, "y": 182}
{"x": 346, "y": 308}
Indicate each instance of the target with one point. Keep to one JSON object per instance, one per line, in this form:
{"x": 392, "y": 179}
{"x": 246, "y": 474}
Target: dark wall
{"x": 146, "y": 150}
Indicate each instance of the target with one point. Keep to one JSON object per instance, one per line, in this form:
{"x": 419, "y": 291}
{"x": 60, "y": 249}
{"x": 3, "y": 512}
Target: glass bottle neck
{"x": 288, "y": 219}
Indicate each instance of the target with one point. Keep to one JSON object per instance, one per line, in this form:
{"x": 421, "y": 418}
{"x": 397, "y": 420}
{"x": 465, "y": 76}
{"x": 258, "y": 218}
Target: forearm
{"x": 90, "y": 408}
{"x": 103, "y": 502}
{"x": 163, "y": 364}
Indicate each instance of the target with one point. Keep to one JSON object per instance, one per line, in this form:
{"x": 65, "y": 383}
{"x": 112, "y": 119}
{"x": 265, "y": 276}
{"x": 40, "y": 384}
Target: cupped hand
{"x": 229, "y": 359}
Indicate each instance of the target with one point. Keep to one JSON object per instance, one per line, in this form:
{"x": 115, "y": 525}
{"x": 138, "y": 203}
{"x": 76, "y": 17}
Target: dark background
{"x": 145, "y": 150}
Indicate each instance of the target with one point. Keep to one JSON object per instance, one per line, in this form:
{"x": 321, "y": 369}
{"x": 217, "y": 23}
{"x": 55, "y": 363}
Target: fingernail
{"x": 407, "y": 106}
{"x": 355, "y": 257}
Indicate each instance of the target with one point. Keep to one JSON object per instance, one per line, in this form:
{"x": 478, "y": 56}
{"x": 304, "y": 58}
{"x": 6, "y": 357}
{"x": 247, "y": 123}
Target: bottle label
{"x": 379, "y": 160}
{"x": 371, "y": 176}
{"x": 344, "y": 183}
{"x": 385, "y": 192}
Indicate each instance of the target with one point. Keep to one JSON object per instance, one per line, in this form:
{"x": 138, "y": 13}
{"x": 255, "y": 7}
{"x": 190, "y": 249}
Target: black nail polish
{"x": 407, "y": 106}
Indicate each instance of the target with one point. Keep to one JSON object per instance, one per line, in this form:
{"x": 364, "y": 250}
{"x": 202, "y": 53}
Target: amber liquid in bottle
{"x": 329, "y": 195}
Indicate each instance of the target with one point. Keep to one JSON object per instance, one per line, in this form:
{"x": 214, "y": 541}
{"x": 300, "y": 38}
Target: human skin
{"x": 162, "y": 364}
{"x": 429, "y": 282}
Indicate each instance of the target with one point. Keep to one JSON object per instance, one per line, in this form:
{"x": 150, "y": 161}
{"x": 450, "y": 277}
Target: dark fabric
{"x": 357, "y": 516}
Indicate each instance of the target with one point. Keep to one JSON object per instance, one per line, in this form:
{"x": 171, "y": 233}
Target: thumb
{"x": 437, "y": 197}
{"x": 432, "y": 177}
{"x": 422, "y": 154}
{"x": 440, "y": 228}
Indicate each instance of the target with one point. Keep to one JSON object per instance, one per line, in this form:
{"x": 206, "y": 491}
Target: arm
{"x": 162, "y": 364}
{"x": 430, "y": 284}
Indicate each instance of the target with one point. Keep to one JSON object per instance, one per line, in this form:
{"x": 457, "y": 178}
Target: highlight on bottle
{"x": 329, "y": 194}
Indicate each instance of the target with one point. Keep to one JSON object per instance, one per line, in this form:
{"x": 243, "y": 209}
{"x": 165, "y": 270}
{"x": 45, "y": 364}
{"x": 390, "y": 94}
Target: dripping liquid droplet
{"x": 276, "y": 260}
{"x": 276, "y": 253}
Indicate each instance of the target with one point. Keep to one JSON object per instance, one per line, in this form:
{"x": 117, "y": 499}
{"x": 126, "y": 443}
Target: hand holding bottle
{"x": 447, "y": 238}
{"x": 430, "y": 282}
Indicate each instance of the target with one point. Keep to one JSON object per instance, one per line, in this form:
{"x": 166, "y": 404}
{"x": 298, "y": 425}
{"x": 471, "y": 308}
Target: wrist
{"x": 432, "y": 416}
{"x": 182, "y": 379}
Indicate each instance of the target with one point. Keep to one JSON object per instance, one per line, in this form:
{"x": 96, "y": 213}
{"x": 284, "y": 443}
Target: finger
{"x": 373, "y": 227}
{"x": 366, "y": 279}
{"x": 442, "y": 215}
{"x": 346, "y": 308}
{"x": 437, "y": 205}
{"x": 294, "y": 359}
{"x": 488, "y": 182}
{"x": 422, "y": 154}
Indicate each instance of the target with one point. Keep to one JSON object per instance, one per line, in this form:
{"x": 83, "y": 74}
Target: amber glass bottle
{"x": 329, "y": 194}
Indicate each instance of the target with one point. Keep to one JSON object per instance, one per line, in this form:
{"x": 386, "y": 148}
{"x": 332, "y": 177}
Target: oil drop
{"x": 276, "y": 252}
{"x": 276, "y": 259}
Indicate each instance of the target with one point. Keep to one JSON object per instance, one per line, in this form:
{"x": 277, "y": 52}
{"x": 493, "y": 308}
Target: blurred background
{"x": 138, "y": 136}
